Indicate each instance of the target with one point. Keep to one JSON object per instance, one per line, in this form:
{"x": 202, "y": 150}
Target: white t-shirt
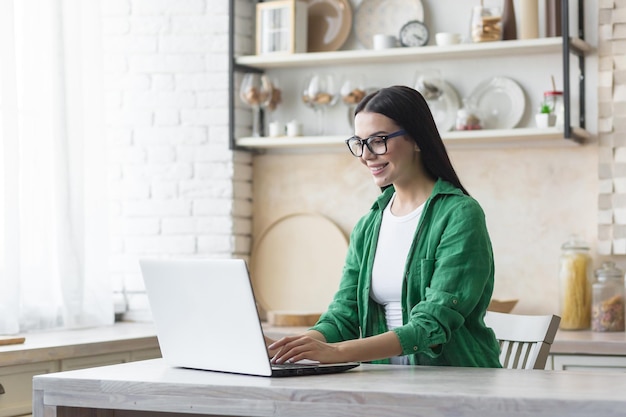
{"x": 394, "y": 242}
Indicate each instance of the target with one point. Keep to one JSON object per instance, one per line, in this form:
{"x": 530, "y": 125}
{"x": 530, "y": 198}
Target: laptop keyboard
{"x": 290, "y": 365}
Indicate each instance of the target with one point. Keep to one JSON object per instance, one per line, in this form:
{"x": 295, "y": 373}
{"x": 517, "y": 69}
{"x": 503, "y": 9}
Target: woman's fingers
{"x": 281, "y": 342}
{"x": 297, "y": 348}
{"x": 290, "y": 349}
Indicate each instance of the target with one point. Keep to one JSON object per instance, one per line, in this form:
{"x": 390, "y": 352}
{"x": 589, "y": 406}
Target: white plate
{"x": 384, "y": 16}
{"x": 500, "y": 101}
{"x": 444, "y": 108}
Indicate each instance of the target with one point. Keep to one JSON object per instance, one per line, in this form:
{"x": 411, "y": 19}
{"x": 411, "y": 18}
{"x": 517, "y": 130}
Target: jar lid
{"x": 575, "y": 242}
{"x": 552, "y": 93}
{"x": 609, "y": 270}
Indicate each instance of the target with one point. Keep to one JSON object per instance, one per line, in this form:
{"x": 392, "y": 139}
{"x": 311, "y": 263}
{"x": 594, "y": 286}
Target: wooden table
{"x": 143, "y": 388}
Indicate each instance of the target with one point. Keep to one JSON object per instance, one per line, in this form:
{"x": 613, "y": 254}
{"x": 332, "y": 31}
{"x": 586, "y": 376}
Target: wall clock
{"x": 414, "y": 33}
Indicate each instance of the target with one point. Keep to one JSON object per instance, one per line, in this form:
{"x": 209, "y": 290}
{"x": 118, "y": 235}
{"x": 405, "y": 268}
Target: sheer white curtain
{"x": 53, "y": 239}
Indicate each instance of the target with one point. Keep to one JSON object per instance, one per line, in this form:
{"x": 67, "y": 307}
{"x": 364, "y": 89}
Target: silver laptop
{"x": 206, "y": 318}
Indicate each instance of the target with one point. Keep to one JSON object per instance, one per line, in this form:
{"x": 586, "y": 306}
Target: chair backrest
{"x": 525, "y": 340}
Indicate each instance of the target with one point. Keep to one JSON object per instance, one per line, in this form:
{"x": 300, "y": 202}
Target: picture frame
{"x": 281, "y": 27}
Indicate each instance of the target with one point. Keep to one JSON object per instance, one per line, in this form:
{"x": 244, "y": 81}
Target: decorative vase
{"x": 553, "y": 18}
{"x": 509, "y": 27}
{"x": 529, "y": 19}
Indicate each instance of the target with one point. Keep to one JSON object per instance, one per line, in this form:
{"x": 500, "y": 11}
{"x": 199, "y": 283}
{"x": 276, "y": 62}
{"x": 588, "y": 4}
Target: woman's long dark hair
{"x": 410, "y": 111}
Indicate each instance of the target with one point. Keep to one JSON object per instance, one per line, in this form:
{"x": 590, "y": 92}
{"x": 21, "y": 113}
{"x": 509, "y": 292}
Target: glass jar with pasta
{"x": 575, "y": 283}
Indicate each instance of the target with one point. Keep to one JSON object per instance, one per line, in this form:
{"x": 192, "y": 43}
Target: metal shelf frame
{"x": 569, "y": 48}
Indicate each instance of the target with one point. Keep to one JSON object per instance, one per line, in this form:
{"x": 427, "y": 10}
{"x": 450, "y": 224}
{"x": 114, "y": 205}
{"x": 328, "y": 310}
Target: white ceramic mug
{"x": 382, "y": 41}
{"x": 447, "y": 38}
{"x": 276, "y": 129}
{"x": 294, "y": 128}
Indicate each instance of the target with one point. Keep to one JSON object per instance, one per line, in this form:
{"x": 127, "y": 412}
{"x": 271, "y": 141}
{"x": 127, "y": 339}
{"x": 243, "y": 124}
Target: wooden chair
{"x": 525, "y": 340}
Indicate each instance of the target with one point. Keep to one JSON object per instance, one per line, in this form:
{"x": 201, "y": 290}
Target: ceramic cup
{"x": 294, "y": 128}
{"x": 447, "y": 38}
{"x": 382, "y": 41}
{"x": 276, "y": 129}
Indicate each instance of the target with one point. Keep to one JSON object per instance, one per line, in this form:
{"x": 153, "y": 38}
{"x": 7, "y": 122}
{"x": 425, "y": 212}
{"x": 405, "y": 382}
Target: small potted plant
{"x": 545, "y": 117}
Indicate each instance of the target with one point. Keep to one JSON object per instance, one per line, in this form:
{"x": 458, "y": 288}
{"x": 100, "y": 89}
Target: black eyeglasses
{"x": 376, "y": 144}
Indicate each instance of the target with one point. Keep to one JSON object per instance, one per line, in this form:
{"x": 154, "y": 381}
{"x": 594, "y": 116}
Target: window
{"x": 2, "y": 242}
{"x": 52, "y": 220}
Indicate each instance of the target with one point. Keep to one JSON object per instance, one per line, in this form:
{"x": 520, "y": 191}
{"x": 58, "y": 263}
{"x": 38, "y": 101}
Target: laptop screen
{"x": 205, "y": 315}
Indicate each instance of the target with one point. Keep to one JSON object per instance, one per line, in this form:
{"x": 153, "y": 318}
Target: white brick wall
{"x": 175, "y": 187}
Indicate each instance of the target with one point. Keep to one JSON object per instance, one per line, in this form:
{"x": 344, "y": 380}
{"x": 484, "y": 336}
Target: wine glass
{"x": 319, "y": 93}
{"x": 352, "y": 91}
{"x": 276, "y": 96}
{"x": 275, "y": 127}
{"x": 256, "y": 91}
{"x": 429, "y": 83}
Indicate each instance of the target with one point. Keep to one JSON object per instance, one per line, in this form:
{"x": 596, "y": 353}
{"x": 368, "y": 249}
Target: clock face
{"x": 414, "y": 33}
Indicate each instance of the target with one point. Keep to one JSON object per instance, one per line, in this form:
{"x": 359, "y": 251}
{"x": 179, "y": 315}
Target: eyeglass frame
{"x": 367, "y": 141}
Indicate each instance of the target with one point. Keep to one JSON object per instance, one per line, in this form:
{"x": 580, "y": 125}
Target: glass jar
{"x": 575, "y": 285}
{"x": 607, "y": 307}
{"x": 468, "y": 117}
{"x": 486, "y": 24}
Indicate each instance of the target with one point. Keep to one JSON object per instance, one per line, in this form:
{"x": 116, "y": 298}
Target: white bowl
{"x": 447, "y": 38}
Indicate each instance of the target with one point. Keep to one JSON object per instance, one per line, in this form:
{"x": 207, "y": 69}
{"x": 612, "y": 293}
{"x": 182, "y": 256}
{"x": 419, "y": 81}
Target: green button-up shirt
{"x": 449, "y": 278}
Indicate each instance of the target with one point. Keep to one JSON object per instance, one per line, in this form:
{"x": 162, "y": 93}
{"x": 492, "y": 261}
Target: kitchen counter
{"x": 56, "y": 345}
{"x": 64, "y": 350}
{"x": 64, "y": 344}
{"x": 586, "y": 342}
{"x": 369, "y": 390}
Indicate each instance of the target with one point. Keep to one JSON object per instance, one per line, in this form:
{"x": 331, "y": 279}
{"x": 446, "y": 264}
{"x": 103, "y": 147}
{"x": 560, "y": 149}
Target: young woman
{"x": 419, "y": 272}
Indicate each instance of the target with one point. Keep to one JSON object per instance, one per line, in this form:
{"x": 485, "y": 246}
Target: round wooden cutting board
{"x": 296, "y": 264}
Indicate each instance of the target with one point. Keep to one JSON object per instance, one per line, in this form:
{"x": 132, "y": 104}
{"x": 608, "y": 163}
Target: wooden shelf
{"x": 458, "y": 139}
{"x": 533, "y": 137}
{"x": 425, "y": 53}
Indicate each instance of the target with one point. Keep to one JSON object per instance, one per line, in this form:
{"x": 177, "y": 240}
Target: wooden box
{"x": 281, "y": 27}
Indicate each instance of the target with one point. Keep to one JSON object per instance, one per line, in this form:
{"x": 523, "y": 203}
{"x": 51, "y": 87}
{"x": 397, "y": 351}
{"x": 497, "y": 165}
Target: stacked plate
{"x": 500, "y": 102}
{"x": 385, "y": 17}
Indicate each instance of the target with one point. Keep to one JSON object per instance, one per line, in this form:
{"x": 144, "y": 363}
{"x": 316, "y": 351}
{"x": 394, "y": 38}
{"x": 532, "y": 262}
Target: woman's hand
{"x": 313, "y": 346}
{"x": 296, "y": 348}
{"x": 268, "y": 342}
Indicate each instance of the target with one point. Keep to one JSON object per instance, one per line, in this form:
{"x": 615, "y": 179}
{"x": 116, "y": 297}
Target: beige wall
{"x": 533, "y": 199}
